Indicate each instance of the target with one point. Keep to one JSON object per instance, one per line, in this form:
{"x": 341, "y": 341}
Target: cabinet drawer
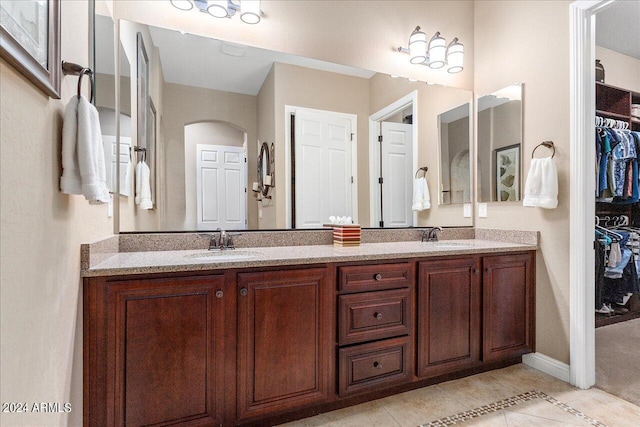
{"x": 369, "y": 367}
{"x": 374, "y": 315}
{"x": 360, "y": 278}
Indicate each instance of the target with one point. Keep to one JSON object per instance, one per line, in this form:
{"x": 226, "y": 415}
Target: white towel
{"x": 421, "y": 197}
{"x": 541, "y": 189}
{"x": 143, "y": 186}
{"x": 83, "y": 153}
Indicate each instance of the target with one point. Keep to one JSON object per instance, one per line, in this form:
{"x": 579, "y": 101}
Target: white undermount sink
{"x": 445, "y": 244}
{"x": 228, "y": 255}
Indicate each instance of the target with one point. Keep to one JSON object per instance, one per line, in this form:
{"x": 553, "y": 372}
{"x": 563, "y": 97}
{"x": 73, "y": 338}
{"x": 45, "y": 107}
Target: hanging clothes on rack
{"x": 617, "y": 175}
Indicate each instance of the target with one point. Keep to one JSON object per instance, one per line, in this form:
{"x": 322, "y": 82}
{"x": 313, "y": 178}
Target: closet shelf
{"x": 612, "y": 115}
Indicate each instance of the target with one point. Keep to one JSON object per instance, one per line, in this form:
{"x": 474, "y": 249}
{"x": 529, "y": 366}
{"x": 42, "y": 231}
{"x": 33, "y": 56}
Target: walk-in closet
{"x": 617, "y": 198}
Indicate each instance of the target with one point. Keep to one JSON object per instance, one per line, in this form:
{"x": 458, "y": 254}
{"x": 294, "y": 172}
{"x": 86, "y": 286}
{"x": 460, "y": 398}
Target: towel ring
{"x": 86, "y": 71}
{"x": 424, "y": 170}
{"x": 69, "y": 68}
{"x": 548, "y": 144}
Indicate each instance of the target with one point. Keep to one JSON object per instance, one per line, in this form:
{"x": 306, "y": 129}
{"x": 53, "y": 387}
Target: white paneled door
{"x": 396, "y": 156}
{"x": 221, "y": 187}
{"x": 323, "y": 168}
{"x": 111, "y": 160}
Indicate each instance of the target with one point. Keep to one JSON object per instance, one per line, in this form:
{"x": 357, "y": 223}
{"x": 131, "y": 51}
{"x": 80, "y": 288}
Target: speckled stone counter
{"x": 197, "y": 260}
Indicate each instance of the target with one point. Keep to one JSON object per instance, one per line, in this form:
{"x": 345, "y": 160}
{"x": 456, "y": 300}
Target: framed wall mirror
{"x": 499, "y": 158}
{"x": 455, "y": 161}
{"x": 264, "y": 170}
{"x": 243, "y": 98}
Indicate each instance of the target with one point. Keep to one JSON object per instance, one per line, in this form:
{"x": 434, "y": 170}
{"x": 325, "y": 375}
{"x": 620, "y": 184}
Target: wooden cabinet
{"x": 284, "y": 341}
{"x": 508, "y": 306}
{"x": 380, "y": 309}
{"x": 154, "y": 352}
{"x": 616, "y": 103}
{"x": 449, "y": 315}
{"x": 256, "y": 346}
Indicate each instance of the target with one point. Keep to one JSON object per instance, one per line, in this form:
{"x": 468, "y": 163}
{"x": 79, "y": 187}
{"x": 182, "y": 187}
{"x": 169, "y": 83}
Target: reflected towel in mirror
{"x": 143, "y": 186}
{"x": 421, "y": 197}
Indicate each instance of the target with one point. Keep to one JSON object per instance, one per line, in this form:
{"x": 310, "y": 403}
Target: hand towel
{"x": 84, "y": 170}
{"x": 541, "y": 189}
{"x": 70, "y": 181}
{"x": 143, "y": 186}
{"x": 421, "y": 197}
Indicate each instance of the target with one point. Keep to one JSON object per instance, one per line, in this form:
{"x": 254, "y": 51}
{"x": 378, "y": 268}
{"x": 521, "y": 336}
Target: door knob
{"x": 219, "y": 294}
{"x": 378, "y": 315}
{"x": 377, "y": 365}
{"x": 378, "y": 277}
{"x": 244, "y": 292}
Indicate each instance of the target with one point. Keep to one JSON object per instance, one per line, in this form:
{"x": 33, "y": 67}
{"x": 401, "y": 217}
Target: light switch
{"x": 467, "y": 210}
{"x": 482, "y": 210}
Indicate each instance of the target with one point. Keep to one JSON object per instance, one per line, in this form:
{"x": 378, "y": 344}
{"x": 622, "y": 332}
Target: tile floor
{"x": 436, "y": 402}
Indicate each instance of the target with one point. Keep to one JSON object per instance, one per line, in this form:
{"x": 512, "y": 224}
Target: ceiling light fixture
{"x": 249, "y": 10}
{"x": 435, "y": 53}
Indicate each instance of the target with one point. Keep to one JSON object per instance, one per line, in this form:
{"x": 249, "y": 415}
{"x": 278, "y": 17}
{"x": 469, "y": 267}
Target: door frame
{"x": 582, "y": 188}
{"x": 353, "y": 118}
{"x": 243, "y": 150}
{"x": 374, "y": 151}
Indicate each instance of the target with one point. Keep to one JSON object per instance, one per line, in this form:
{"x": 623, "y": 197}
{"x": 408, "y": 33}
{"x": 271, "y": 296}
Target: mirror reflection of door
{"x": 323, "y": 167}
{"x": 219, "y": 169}
{"x": 396, "y": 162}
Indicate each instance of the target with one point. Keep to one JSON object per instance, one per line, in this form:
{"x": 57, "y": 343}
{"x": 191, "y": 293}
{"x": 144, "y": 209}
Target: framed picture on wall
{"x": 30, "y": 41}
{"x": 142, "y": 79}
{"x": 507, "y": 161}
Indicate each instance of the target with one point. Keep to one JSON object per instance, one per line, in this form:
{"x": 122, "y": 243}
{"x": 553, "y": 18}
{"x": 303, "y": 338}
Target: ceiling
{"x": 618, "y": 28}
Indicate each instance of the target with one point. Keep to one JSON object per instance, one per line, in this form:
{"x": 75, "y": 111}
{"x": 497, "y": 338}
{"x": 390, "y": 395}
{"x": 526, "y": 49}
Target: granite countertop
{"x": 199, "y": 260}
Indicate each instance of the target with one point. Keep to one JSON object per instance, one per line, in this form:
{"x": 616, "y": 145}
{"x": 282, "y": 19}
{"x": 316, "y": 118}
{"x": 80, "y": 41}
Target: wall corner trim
{"x": 548, "y": 365}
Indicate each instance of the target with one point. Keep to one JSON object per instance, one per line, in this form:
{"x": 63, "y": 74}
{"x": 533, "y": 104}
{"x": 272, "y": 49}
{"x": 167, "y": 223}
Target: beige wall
{"x": 266, "y": 102}
{"x": 432, "y": 100}
{"x": 349, "y": 32}
{"x": 511, "y": 46}
{"x": 41, "y": 230}
{"x": 186, "y": 105}
{"x": 620, "y": 70}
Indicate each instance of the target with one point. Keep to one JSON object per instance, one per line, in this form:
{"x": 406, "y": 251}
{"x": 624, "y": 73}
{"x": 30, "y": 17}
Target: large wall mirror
{"x": 500, "y": 145}
{"x": 217, "y": 102}
{"x": 455, "y": 162}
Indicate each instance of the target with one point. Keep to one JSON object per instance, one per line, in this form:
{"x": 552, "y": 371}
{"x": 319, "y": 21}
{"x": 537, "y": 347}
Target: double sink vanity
{"x": 287, "y": 325}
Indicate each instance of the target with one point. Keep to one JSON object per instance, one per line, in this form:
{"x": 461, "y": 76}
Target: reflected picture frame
{"x": 30, "y": 41}
{"x": 507, "y": 173}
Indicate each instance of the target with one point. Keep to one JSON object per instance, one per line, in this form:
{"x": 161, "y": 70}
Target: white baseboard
{"x": 548, "y": 365}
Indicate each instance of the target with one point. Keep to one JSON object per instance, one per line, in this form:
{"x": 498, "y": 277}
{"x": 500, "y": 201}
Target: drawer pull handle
{"x": 244, "y": 292}
{"x": 378, "y": 277}
{"x": 377, "y": 315}
{"x": 377, "y": 365}
{"x": 219, "y": 294}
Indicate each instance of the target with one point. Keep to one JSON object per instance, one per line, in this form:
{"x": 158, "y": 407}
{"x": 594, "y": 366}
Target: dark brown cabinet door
{"x": 509, "y": 306}
{"x": 165, "y": 346}
{"x": 285, "y": 324}
{"x": 448, "y": 315}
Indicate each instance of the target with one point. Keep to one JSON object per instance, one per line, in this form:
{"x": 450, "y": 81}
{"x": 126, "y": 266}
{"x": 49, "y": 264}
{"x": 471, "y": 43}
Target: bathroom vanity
{"x": 172, "y": 337}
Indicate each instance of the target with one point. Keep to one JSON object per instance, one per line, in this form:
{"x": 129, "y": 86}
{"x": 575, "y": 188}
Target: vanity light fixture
{"x": 435, "y": 53}
{"x": 249, "y": 10}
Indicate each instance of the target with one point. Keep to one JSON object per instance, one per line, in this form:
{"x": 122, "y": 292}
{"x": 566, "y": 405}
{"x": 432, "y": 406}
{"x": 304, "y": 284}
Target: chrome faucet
{"x": 431, "y": 234}
{"x": 222, "y": 241}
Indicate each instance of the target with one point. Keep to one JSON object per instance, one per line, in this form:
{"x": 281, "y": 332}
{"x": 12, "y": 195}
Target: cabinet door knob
{"x": 244, "y": 292}
{"x": 219, "y": 294}
{"x": 377, "y": 365}
{"x": 377, "y": 315}
{"x": 378, "y": 277}
{"x": 476, "y": 271}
